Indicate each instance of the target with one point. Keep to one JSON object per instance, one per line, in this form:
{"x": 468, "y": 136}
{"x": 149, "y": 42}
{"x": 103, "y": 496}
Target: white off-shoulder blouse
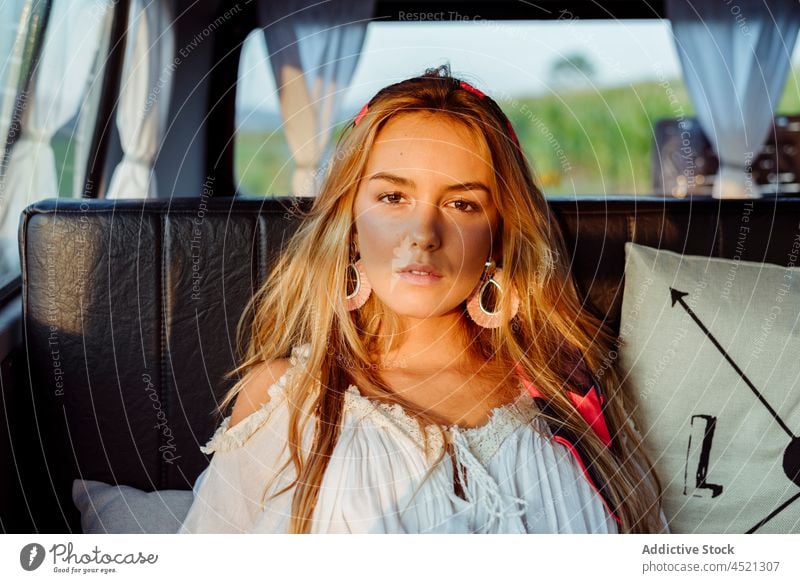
{"x": 517, "y": 480}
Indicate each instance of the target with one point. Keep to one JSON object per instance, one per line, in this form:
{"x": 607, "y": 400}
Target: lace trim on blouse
{"x": 483, "y": 441}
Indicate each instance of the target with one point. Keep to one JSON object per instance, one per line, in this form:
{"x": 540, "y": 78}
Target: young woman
{"x": 439, "y": 370}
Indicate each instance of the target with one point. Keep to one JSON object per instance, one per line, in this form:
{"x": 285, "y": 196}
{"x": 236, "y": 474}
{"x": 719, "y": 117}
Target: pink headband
{"x": 466, "y": 86}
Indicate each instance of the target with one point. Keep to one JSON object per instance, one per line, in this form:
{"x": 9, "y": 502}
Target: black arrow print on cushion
{"x": 791, "y": 455}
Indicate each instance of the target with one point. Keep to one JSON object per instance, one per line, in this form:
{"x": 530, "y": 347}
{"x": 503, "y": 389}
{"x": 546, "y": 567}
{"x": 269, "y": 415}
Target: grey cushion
{"x": 107, "y": 509}
{"x": 713, "y": 423}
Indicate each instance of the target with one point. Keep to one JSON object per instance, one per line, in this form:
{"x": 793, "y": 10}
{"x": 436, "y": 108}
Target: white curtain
{"x": 735, "y": 58}
{"x": 313, "y": 50}
{"x": 14, "y": 16}
{"x": 58, "y": 85}
{"x": 144, "y": 97}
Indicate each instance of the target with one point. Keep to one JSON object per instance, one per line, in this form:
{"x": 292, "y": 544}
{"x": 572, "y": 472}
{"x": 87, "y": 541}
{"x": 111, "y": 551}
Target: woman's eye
{"x": 464, "y": 205}
{"x": 391, "y": 197}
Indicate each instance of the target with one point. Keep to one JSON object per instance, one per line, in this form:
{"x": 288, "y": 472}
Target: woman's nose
{"x": 425, "y": 226}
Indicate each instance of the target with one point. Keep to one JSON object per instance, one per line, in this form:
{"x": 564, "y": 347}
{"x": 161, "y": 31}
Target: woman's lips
{"x": 419, "y": 273}
{"x": 419, "y": 278}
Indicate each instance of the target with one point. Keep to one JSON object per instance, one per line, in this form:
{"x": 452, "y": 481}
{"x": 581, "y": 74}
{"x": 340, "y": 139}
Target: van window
{"x": 262, "y": 160}
{"x": 51, "y": 76}
{"x": 20, "y": 24}
{"x": 21, "y": 30}
{"x": 584, "y": 97}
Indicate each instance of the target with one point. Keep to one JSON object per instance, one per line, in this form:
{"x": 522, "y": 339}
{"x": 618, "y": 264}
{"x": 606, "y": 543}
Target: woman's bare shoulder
{"x": 255, "y": 391}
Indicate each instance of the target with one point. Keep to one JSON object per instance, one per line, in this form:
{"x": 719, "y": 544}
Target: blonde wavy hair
{"x": 302, "y": 302}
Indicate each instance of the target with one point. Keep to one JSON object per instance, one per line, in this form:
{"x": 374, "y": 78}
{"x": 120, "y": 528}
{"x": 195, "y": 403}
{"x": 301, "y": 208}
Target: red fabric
{"x": 513, "y": 133}
{"x": 471, "y": 89}
{"x": 361, "y": 114}
{"x": 590, "y": 406}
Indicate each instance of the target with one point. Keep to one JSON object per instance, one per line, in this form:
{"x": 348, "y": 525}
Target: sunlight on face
{"x": 425, "y": 220}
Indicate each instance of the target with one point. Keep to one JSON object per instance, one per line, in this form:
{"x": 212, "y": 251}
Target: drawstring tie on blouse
{"x": 481, "y": 487}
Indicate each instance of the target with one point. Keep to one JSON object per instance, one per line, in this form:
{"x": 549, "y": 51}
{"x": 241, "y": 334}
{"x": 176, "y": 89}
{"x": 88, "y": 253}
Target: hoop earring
{"x": 475, "y": 308}
{"x": 363, "y": 288}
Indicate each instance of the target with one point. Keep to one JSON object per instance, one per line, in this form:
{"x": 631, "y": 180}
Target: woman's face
{"x": 424, "y": 216}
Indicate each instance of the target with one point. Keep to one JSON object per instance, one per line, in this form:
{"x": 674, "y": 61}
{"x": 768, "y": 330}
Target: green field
{"x": 64, "y": 151}
{"x": 591, "y": 142}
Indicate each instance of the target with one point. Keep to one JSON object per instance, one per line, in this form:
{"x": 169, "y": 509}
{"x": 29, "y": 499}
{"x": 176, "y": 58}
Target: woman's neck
{"x": 430, "y": 344}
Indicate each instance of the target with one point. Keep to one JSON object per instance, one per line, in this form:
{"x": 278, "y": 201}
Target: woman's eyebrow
{"x": 401, "y": 181}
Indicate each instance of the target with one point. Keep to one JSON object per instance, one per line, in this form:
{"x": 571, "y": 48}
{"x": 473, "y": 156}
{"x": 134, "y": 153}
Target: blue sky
{"x": 501, "y": 57}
